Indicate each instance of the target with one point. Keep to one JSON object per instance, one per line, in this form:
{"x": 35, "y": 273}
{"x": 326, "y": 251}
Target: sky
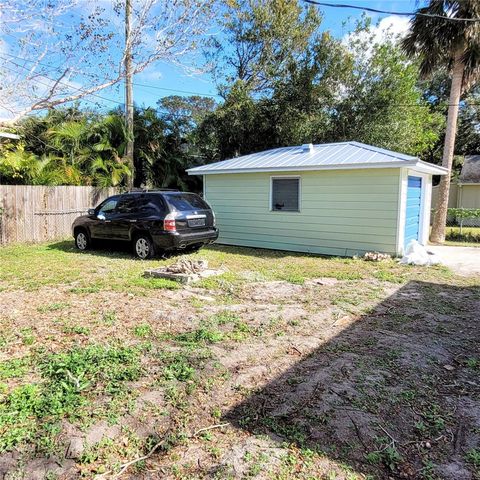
{"x": 338, "y": 20}
{"x": 163, "y": 79}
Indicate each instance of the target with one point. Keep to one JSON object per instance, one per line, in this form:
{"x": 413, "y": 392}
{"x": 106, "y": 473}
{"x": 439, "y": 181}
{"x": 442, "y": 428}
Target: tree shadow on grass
{"x": 394, "y": 395}
{"x": 121, "y": 249}
{"x": 102, "y": 248}
{"x": 109, "y": 248}
{"x": 261, "y": 252}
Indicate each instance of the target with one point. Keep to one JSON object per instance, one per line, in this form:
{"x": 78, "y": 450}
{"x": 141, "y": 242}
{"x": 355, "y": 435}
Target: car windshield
{"x": 187, "y": 201}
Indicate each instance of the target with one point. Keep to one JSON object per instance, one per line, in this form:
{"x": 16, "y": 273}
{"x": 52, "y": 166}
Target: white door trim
{"x": 402, "y": 209}
{"x": 425, "y": 207}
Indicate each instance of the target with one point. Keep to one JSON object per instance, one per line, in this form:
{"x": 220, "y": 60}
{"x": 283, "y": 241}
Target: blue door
{"x": 414, "y": 199}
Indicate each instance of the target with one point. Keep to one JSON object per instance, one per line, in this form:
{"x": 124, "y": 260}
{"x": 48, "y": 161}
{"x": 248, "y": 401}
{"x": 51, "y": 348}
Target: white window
{"x": 285, "y": 194}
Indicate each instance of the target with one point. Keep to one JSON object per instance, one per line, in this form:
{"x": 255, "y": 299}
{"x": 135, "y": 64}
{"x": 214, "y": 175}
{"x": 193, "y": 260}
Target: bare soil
{"x": 325, "y": 379}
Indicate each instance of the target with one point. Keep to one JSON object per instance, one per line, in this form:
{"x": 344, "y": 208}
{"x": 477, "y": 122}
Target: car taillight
{"x": 169, "y": 223}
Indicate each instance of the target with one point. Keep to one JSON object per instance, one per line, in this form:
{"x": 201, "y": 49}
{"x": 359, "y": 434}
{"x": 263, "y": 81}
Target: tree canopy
{"x": 284, "y": 81}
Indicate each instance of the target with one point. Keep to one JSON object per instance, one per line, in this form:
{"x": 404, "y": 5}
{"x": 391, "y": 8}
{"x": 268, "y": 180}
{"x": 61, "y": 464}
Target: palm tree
{"x": 455, "y": 45}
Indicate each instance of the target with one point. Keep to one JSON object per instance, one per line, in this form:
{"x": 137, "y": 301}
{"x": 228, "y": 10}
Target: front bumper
{"x": 179, "y": 240}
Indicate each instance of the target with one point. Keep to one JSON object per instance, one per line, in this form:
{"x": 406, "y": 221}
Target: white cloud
{"x": 392, "y": 26}
{"x": 151, "y": 74}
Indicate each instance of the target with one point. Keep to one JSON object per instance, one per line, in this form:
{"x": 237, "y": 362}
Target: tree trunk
{"x": 440, "y": 217}
{"x": 129, "y": 96}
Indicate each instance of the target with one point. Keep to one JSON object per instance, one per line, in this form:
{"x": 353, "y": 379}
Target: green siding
{"x": 342, "y": 212}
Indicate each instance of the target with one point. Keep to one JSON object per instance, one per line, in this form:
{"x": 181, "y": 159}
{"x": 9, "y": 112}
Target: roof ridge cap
{"x": 385, "y": 151}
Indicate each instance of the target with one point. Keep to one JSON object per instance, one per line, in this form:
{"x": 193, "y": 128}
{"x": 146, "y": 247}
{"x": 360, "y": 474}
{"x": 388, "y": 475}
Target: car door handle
{"x": 132, "y": 221}
{"x": 108, "y": 221}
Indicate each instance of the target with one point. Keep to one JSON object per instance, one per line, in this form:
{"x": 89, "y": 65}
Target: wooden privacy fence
{"x": 40, "y": 213}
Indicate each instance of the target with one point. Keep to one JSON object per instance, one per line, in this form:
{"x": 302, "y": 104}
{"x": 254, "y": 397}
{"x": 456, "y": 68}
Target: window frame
{"x": 125, "y": 198}
{"x": 108, "y": 199}
{"x": 286, "y": 177}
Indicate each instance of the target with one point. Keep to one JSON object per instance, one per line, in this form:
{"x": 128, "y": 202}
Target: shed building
{"x": 334, "y": 199}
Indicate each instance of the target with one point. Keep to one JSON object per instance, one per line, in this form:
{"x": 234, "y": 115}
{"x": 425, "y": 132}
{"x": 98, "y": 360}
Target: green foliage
{"x": 143, "y": 331}
{"x": 66, "y": 147}
{"x": 380, "y": 102}
{"x": 16, "y": 367}
{"x": 17, "y": 415}
{"x": 69, "y": 379}
{"x": 473, "y": 457}
{"x": 263, "y": 39}
{"x": 91, "y": 367}
{"x": 464, "y": 212}
{"x": 202, "y": 335}
{"x": 179, "y": 370}
{"x": 283, "y": 82}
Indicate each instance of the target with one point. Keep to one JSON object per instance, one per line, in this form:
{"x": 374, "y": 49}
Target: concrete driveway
{"x": 462, "y": 260}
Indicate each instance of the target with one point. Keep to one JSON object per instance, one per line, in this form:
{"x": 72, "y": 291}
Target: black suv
{"x": 154, "y": 221}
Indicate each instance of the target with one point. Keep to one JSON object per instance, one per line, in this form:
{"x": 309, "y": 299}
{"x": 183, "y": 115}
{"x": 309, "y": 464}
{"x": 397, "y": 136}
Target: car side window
{"x": 154, "y": 204}
{"x": 151, "y": 204}
{"x": 127, "y": 205}
{"x": 108, "y": 206}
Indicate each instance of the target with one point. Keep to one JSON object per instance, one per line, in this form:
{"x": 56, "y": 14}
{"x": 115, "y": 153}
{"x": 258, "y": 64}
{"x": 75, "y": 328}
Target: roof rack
{"x": 145, "y": 190}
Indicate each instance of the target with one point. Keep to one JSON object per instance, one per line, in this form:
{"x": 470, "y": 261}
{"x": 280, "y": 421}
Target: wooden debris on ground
{"x": 376, "y": 257}
{"x": 186, "y": 265}
{"x": 184, "y": 270}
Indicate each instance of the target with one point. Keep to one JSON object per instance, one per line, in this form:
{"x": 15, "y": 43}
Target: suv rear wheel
{"x": 143, "y": 247}
{"x": 82, "y": 241}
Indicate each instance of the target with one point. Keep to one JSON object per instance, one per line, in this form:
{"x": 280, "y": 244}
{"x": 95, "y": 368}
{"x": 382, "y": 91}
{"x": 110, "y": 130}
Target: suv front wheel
{"x": 82, "y": 241}
{"x": 143, "y": 247}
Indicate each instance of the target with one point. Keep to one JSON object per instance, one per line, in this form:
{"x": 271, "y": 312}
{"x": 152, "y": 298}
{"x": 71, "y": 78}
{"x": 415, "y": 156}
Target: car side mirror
{"x": 91, "y": 211}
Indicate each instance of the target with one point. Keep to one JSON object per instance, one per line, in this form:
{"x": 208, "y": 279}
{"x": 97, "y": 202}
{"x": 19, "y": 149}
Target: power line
{"x": 60, "y": 83}
{"x": 177, "y": 91}
{"x": 416, "y": 105}
{"x": 69, "y": 86}
{"x": 402, "y": 14}
{"x": 106, "y": 79}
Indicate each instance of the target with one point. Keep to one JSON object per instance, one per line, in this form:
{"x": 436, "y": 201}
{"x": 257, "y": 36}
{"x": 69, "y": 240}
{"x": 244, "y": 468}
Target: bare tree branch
{"x": 61, "y": 51}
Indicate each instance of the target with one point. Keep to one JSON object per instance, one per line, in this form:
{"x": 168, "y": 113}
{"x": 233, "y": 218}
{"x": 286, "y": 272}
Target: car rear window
{"x": 186, "y": 201}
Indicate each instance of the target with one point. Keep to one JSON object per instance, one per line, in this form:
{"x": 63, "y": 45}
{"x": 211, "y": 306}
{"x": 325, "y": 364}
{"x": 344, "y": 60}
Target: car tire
{"x": 143, "y": 247}
{"x": 82, "y": 240}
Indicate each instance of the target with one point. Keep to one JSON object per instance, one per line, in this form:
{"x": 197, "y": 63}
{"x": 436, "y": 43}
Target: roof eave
{"x": 356, "y": 166}
{"x": 425, "y": 167}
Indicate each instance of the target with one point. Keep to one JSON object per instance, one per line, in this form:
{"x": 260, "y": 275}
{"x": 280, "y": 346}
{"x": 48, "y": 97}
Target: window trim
{"x": 286, "y": 177}
{"x": 112, "y": 197}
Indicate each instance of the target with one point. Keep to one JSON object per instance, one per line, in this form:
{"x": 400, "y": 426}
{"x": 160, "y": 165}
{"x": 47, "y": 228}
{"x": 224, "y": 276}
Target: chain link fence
{"x": 463, "y": 225}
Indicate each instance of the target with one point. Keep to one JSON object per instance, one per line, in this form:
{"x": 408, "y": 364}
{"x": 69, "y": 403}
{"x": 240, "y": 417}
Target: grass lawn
{"x": 286, "y": 366}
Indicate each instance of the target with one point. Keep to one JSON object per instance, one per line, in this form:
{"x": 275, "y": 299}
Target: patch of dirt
{"x": 330, "y": 379}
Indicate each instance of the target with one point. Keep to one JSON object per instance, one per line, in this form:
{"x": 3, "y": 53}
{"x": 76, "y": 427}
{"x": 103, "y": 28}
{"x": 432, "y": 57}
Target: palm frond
{"x": 437, "y": 42}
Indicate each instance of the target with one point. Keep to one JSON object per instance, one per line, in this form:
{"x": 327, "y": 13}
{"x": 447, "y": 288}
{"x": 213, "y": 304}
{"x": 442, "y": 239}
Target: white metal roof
{"x": 327, "y": 156}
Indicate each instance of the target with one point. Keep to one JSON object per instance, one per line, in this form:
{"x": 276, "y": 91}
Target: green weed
{"x": 68, "y": 380}
{"x": 27, "y": 336}
{"x": 142, "y": 331}
{"x": 82, "y": 290}
{"x": 52, "y": 307}
{"x": 17, "y": 367}
{"x": 473, "y": 457}
{"x": 76, "y": 329}
{"x": 109, "y": 318}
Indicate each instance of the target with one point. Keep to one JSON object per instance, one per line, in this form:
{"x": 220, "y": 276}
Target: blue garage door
{"x": 412, "y": 221}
